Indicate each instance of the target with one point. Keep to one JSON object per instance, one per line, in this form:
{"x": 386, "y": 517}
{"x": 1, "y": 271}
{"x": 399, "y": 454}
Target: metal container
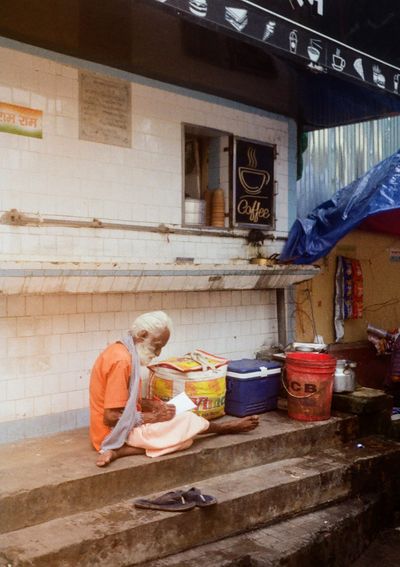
{"x": 195, "y": 211}
{"x": 344, "y": 379}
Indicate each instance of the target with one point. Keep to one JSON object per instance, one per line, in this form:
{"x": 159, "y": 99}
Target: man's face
{"x": 151, "y": 345}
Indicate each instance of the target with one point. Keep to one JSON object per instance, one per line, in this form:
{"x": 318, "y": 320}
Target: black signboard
{"x": 253, "y": 183}
{"x": 322, "y": 35}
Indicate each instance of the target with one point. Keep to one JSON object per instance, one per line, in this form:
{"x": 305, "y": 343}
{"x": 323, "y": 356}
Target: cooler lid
{"x": 246, "y": 365}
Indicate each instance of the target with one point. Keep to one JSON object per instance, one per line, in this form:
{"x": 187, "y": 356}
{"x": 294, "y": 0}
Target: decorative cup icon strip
{"x": 358, "y": 66}
{"x": 338, "y": 63}
{"x": 378, "y": 77}
{"x": 251, "y": 178}
{"x": 314, "y": 53}
{"x": 269, "y": 30}
{"x": 293, "y": 39}
{"x": 198, "y": 7}
{"x": 237, "y": 17}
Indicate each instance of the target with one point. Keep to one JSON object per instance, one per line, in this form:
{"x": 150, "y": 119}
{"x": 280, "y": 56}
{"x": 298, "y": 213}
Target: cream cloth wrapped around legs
{"x": 167, "y": 436}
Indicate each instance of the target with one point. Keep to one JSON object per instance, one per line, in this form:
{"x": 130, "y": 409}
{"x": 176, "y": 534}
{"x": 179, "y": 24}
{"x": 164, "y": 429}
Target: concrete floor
{"x": 30, "y": 463}
{"x": 44, "y": 466}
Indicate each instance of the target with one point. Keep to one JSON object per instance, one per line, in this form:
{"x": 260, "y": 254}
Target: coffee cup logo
{"x": 338, "y": 63}
{"x": 251, "y": 178}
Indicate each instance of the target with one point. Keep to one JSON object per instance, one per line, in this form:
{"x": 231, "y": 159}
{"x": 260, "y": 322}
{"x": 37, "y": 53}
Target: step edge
{"x": 328, "y": 491}
{"x": 216, "y": 556}
{"x": 334, "y": 466}
{"x": 99, "y": 482}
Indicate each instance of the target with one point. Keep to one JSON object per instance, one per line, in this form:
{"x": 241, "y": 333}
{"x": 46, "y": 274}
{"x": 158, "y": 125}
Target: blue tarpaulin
{"x": 372, "y": 202}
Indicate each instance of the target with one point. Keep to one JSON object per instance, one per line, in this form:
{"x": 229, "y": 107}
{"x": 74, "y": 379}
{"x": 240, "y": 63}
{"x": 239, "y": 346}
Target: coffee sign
{"x": 253, "y": 187}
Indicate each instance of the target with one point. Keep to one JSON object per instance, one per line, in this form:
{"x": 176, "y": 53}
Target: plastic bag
{"x": 202, "y": 376}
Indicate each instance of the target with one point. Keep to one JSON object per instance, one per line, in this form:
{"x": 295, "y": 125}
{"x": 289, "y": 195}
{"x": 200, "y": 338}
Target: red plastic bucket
{"x": 309, "y": 384}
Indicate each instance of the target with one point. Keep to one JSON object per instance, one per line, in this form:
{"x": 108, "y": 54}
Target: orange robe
{"x": 109, "y": 388}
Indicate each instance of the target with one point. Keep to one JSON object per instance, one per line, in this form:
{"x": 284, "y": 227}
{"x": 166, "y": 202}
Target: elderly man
{"x": 123, "y": 424}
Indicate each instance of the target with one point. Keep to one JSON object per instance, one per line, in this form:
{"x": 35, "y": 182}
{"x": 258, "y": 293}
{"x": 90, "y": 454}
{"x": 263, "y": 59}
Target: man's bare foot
{"x": 104, "y": 459}
{"x": 241, "y": 425}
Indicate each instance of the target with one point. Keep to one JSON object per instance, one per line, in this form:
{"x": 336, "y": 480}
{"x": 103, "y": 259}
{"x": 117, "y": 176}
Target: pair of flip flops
{"x": 177, "y": 501}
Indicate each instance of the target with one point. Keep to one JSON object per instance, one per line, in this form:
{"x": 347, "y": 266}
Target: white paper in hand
{"x": 182, "y": 402}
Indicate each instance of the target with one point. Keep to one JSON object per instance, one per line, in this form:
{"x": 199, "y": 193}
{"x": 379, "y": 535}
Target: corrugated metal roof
{"x": 337, "y": 156}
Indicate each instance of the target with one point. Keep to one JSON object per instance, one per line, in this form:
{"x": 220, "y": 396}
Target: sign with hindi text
{"x": 20, "y": 120}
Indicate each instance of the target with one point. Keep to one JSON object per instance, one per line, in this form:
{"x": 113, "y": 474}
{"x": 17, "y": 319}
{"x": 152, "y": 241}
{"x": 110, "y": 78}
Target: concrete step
{"x": 119, "y": 534}
{"x": 43, "y": 479}
{"x": 335, "y": 535}
{"x": 384, "y": 550}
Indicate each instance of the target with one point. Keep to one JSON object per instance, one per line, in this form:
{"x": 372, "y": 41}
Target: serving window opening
{"x": 207, "y": 177}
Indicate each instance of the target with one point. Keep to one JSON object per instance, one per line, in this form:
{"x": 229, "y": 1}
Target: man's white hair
{"x": 153, "y": 322}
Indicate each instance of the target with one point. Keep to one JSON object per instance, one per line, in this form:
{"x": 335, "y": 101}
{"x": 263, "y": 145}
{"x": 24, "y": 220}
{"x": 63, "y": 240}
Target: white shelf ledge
{"x": 74, "y": 277}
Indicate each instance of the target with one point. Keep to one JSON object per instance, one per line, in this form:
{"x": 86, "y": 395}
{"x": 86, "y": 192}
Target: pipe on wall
{"x": 14, "y": 217}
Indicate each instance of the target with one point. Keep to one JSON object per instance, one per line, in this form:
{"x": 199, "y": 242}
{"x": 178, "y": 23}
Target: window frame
{"x": 200, "y": 130}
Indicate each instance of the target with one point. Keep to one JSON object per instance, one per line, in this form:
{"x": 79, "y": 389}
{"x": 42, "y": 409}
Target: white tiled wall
{"x": 61, "y": 176}
{"x": 104, "y": 245}
{"x": 49, "y": 342}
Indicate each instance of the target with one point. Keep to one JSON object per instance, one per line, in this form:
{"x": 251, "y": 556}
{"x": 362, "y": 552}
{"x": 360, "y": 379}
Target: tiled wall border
{"x": 12, "y": 431}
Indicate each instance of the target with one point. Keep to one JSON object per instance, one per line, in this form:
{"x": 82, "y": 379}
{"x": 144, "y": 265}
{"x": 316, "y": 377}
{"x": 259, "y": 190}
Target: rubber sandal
{"x": 168, "y": 502}
{"x": 200, "y": 500}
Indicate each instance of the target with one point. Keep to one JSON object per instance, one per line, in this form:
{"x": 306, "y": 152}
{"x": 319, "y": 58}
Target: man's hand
{"x": 164, "y": 412}
{"x": 148, "y": 405}
{"x": 111, "y": 416}
{"x": 160, "y": 412}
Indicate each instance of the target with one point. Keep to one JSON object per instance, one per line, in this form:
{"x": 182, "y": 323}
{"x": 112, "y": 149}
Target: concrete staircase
{"x": 58, "y": 509}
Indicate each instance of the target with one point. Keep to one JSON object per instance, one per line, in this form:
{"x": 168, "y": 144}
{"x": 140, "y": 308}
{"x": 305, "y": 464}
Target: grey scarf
{"x": 130, "y": 416}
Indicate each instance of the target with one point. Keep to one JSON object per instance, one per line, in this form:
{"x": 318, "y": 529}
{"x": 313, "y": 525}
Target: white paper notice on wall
{"x": 182, "y": 402}
{"x": 105, "y": 112}
{"x": 394, "y": 254}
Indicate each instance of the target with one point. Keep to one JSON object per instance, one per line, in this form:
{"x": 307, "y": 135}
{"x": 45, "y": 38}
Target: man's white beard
{"x": 145, "y": 352}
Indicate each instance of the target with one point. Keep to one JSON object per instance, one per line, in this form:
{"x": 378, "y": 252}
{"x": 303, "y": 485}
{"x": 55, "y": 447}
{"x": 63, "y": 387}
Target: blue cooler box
{"x": 252, "y": 386}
